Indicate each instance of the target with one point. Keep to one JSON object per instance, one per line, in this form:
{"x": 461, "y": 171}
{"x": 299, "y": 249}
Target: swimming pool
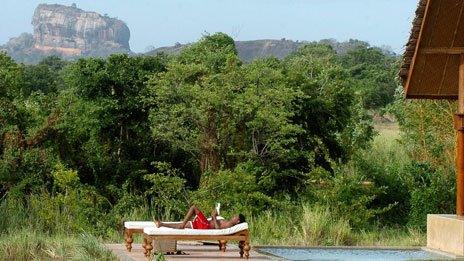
{"x": 351, "y": 254}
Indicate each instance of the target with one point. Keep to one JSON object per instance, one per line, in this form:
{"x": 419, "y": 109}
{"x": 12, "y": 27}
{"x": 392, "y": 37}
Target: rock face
{"x": 69, "y": 32}
{"x": 72, "y": 31}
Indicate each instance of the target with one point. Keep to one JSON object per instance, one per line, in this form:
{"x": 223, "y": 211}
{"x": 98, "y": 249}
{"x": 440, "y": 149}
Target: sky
{"x": 157, "y": 23}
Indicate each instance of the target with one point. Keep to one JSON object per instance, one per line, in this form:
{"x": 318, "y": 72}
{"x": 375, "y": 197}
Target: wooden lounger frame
{"x": 243, "y": 238}
{"x": 128, "y": 239}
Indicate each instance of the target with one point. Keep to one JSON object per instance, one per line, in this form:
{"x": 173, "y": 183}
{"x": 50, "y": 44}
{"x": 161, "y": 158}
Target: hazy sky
{"x": 165, "y": 22}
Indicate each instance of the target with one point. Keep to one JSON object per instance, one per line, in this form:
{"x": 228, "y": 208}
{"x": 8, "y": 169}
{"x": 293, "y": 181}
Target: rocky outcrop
{"x": 72, "y": 31}
{"x": 69, "y": 32}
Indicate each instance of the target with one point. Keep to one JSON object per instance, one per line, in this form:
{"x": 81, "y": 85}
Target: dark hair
{"x": 241, "y": 218}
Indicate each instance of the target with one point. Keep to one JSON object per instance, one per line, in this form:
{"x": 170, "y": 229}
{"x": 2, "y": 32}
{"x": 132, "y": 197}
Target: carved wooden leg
{"x": 223, "y": 243}
{"x": 149, "y": 246}
{"x": 246, "y": 249}
{"x": 144, "y": 245}
{"x": 128, "y": 239}
{"x": 220, "y": 245}
{"x": 241, "y": 244}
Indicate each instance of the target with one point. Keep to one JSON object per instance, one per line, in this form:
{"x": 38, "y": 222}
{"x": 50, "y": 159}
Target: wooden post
{"x": 459, "y": 126}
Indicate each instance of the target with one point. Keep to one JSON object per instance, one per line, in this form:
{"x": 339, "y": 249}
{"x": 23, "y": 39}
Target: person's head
{"x": 241, "y": 218}
{"x": 238, "y": 219}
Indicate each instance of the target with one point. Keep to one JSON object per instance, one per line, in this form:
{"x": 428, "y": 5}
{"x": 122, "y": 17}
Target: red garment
{"x": 200, "y": 221}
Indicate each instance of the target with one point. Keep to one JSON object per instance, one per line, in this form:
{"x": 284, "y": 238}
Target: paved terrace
{"x": 190, "y": 251}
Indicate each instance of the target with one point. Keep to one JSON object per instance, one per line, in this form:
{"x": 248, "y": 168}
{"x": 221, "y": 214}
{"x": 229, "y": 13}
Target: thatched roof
{"x": 432, "y": 56}
{"x": 412, "y": 43}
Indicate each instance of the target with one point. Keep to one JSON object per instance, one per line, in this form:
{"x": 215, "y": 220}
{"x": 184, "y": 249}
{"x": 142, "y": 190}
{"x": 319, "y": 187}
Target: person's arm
{"x": 215, "y": 221}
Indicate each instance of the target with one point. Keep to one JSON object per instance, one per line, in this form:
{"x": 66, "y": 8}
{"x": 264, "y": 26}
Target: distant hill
{"x": 250, "y": 50}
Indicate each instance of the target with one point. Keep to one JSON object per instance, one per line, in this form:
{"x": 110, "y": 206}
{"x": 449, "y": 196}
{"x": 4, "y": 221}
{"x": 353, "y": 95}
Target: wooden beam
{"x": 461, "y": 86}
{"x": 442, "y": 50}
{"x": 459, "y": 126}
{"x": 432, "y": 96}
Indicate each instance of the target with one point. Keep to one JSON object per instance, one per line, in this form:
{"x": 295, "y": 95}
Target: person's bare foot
{"x": 157, "y": 223}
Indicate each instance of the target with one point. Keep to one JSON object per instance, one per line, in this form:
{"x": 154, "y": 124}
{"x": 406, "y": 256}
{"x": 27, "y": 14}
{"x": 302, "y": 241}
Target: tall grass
{"x": 33, "y": 245}
{"x": 319, "y": 227}
{"x": 316, "y": 226}
{"x": 402, "y": 237}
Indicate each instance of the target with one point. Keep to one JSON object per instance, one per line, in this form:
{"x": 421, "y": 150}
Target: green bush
{"x": 347, "y": 196}
{"x": 167, "y": 195}
{"x": 384, "y": 164}
{"x": 70, "y": 208}
{"x": 432, "y": 192}
{"x": 236, "y": 190}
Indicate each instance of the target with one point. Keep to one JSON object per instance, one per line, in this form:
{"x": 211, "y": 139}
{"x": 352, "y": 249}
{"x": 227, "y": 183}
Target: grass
{"x": 400, "y": 237}
{"x": 316, "y": 226}
{"x": 32, "y": 245}
{"x": 390, "y": 129}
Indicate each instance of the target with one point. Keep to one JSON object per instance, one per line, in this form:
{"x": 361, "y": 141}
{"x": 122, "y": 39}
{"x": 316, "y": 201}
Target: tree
{"x": 44, "y": 77}
{"x": 211, "y": 106}
{"x": 327, "y": 109}
{"x": 192, "y": 98}
{"x": 10, "y": 77}
{"x": 104, "y": 121}
{"x": 374, "y": 74}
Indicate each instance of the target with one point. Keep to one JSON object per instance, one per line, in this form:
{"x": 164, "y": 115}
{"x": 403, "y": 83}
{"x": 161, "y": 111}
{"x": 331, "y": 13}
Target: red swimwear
{"x": 200, "y": 221}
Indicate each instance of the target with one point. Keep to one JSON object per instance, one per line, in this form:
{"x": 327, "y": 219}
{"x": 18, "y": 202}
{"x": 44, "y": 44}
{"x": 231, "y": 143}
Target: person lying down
{"x": 201, "y": 222}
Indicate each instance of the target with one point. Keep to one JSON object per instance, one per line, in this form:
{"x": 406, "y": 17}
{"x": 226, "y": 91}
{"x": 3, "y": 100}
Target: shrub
{"x": 167, "y": 195}
{"x": 236, "y": 190}
{"x": 385, "y": 165}
{"x": 347, "y": 196}
{"x": 71, "y": 208}
{"x": 432, "y": 191}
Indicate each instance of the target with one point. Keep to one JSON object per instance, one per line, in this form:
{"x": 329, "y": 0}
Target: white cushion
{"x": 143, "y": 224}
{"x": 165, "y": 231}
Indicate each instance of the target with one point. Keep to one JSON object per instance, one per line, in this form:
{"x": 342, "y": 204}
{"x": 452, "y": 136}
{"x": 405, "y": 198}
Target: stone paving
{"x": 190, "y": 251}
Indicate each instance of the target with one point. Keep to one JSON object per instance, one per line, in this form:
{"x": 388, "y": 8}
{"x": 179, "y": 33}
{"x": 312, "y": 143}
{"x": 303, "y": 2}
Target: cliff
{"x": 69, "y": 32}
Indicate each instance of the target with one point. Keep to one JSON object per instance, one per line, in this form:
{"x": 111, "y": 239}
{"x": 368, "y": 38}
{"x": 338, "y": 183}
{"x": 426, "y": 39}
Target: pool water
{"x": 351, "y": 254}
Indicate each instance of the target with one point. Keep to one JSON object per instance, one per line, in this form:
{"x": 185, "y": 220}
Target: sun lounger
{"x": 136, "y": 227}
{"x": 238, "y": 233}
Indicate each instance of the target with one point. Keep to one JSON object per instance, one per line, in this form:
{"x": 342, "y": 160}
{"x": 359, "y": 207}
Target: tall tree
{"x": 210, "y": 105}
{"x": 104, "y": 124}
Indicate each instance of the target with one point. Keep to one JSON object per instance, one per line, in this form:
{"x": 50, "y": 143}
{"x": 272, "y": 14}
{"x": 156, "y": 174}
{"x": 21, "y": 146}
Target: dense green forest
{"x": 85, "y": 145}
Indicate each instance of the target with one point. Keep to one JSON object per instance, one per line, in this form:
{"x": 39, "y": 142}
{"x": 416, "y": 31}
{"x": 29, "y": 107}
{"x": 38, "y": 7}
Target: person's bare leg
{"x": 193, "y": 210}
{"x": 161, "y": 224}
{"x": 185, "y": 223}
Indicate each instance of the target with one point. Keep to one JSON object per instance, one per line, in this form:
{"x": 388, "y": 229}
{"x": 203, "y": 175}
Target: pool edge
{"x": 456, "y": 257}
{"x": 259, "y": 248}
